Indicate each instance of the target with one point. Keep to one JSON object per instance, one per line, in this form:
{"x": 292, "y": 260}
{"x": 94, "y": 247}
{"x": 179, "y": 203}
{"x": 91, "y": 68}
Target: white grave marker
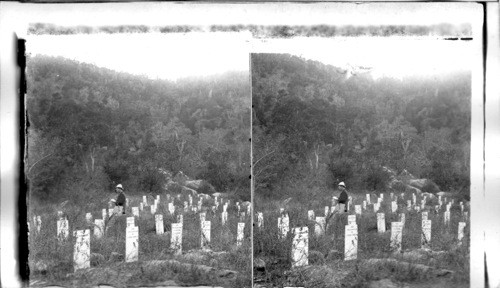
{"x": 351, "y": 220}
{"x": 141, "y": 206}
{"x": 368, "y": 199}
{"x": 396, "y": 235}
{"x": 203, "y": 217}
{"x": 205, "y": 233}
{"x": 260, "y": 220}
{"x": 81, "y": 253}
{"x": 185, "y": 206}
{"x": 426, "y": 232}
{"x": 283, "y": 226}
{"x": 461, "y": 227}
{"x": 38, "y": 223}
{"x": 351, "y": 242}
{"x": 110, "y": 212}
{"x": 376, "y": 206}
{"x": 135, "y": 211}
{"x": 364, "y": 205}
{"x": 381, "y": 222}
{"x": 319, "y": 227}
{"x": 62, "y": 229}
{"x": 224, "y": 218}
{"x": 145, "y": 200}
{"x": 159, "y": 224}
{"x": 326, "y": 210}
{"x": 180, "y": 219}
{"x": 381, "y": 196}
{"x": 88, "y": 217}
{"x": 240, "y": 234}
{"x": 332, "y": 209}
{"x": 425, "y": 215}
{"x": 104, "y": 214}
{"x": 394, "y": 206}
{"x": 132, "y": 244}
{"x": 357, "y": 209}
{"x": 310, "y": 215}
{"x": 408, "y": 205}
{"x": 300, "y": 247}
{"x": 447, "y": 217}
{"x": 98, "y": 228}
{"x": 176, "y": 239}
{"x": 402, "y": 218}
{"x": 130, "y": 222}
{"x": 171, "y": 208}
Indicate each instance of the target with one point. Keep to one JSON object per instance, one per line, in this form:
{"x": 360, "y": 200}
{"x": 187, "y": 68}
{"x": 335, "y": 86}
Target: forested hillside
{"x": 312, "y": 124}
{"x": 90, "y": 128}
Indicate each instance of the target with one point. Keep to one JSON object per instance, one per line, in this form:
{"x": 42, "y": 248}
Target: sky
{"x": 174, "y": 56}
{"x": 154, "y": 55}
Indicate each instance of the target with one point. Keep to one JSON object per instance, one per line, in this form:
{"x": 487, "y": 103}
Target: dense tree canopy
{"x": 309, "y": 116}
{"x": 95, "y": 127}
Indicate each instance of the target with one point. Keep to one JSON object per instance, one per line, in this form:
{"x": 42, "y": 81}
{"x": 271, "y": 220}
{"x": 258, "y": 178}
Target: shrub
{"x": 376, "y": 178}
{"x": 341, "y": 169}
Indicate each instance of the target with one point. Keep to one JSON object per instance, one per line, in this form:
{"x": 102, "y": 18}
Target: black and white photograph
{"x": 264, "y": 145}
{"x": 138, "y": 157}
{"x": 361, "y": 152}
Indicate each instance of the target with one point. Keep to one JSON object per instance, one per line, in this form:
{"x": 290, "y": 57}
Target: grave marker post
{"x": 240, "y": 234}
{"x": 426, "y": 232}
{"x": 381, "y": 222}
{"x": 319, "y": 227}
{"x": 396, "y": 235}
{"x": 300, "y": 247}
{"x": 132, "y": 244}
{"x": 81, "y": 253}
{"x": 351, "y": 242}
{"x": 159, "y": 224}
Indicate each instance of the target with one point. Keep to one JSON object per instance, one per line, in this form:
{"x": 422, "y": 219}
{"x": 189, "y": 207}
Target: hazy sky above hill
{"x": 173, "y": 56}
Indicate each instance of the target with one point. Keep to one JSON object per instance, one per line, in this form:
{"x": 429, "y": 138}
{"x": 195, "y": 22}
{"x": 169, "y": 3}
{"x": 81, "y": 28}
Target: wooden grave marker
{"x": 300, "y": 247}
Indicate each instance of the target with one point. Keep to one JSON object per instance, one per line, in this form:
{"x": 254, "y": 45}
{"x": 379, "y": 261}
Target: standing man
{"x": 343, "y": 198}
{"x": 120, "y": 201}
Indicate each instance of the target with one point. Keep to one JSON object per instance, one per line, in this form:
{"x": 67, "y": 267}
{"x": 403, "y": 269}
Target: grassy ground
{"x": 326, "y": 252}
{"x": 51, "y": 261}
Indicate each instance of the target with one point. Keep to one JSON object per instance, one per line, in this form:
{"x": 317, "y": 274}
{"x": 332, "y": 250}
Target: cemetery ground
{"x": 443, "y": 262}
{"x": 221, "y": 263}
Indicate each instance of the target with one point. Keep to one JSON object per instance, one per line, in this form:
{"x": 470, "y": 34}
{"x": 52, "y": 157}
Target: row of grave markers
{"x": 300, "y": 249}
{"x": 301, "y": 235}
{"x": 82, "y": 243}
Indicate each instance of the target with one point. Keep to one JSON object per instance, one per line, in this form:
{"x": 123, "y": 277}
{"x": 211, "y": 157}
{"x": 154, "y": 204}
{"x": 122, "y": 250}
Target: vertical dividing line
{"x": 251, "y": 170}
{"x": 22, "y": 228}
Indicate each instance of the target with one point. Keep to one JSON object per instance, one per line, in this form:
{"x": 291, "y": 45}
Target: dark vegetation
{"x": 314, "y": 127}
{"x": 91, "y": 128}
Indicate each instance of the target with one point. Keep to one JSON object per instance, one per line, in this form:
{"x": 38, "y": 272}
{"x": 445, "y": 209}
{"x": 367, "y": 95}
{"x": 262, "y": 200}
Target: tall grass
{"x": 327, "y": 250}
{"x": 52, "y": 260}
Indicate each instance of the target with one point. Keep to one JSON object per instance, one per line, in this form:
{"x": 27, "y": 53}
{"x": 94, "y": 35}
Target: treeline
{"x": 312, "y": 123}
{"x": 90, "y": 128}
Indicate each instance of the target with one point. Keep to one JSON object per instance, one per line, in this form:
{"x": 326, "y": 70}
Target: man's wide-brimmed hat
{"x": 342, "y": 184}
{"x": 119, "y": 186}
